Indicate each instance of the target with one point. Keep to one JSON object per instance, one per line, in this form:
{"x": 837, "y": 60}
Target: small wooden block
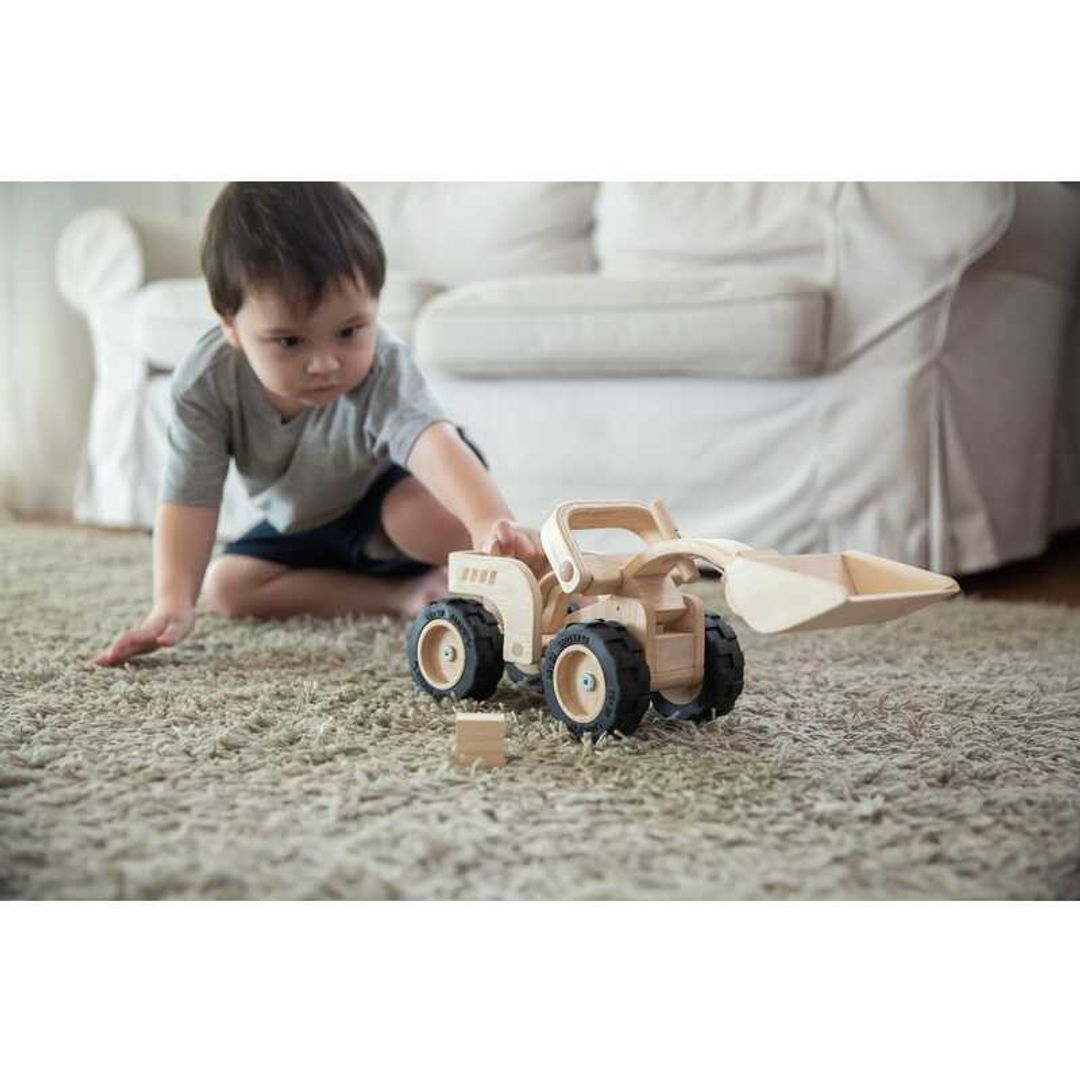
{"x": 480, "y": 736}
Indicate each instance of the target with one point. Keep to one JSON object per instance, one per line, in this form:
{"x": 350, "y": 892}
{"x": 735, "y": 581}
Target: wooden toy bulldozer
{"x": 605, "y": 635}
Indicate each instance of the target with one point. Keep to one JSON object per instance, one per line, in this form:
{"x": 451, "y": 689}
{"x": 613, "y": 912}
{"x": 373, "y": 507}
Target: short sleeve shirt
{"x": 302, "y": 472}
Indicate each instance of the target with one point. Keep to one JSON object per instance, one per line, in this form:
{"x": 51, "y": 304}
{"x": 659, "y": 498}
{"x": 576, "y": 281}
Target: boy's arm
{"x": 183, "y": 543}
{"x": 446, "y": 466}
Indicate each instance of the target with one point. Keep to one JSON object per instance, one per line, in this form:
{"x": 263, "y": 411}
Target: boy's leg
{"x": 241, "y": 585}
{"x": 419, "y": 526}
{"x": 274, "y": 576}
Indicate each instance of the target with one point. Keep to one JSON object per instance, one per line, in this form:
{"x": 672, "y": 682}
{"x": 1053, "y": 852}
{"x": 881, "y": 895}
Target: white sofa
{"x": 807, "y": 367}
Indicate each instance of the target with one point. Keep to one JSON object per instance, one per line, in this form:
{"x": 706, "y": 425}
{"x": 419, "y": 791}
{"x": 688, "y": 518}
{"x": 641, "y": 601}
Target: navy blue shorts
{"x": 353, "y": 542}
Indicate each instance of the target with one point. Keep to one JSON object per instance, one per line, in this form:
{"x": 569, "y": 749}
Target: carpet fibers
{"x": 934, "y": 757}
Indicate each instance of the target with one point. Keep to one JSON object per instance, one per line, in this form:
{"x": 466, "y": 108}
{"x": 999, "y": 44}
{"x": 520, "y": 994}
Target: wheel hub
{"x": 579, "y": 684}
{"x": 440, "y": 654}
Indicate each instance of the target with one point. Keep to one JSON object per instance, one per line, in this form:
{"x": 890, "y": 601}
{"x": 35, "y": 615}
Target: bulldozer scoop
{"x": 774, "y": 593}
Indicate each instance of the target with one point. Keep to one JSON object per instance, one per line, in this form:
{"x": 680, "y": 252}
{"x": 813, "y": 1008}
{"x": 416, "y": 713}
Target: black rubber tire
{"x": 523, "y": 680}
{"x": 479, "y": 629}
{"x": 723, "y": 682}
{"x": 626, "y": 675}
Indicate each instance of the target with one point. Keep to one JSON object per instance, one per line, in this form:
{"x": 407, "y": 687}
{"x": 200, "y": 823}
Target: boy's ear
{"x": 230, "y": 332}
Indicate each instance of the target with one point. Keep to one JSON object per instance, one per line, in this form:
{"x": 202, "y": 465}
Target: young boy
{"x": 365, "y": 485}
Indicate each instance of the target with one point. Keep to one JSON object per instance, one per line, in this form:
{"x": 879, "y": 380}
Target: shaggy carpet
{"x": 934, "y": 757}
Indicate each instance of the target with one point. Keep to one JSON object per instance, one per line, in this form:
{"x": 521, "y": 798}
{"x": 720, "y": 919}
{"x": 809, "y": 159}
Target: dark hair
{"x": 303, "y": 238}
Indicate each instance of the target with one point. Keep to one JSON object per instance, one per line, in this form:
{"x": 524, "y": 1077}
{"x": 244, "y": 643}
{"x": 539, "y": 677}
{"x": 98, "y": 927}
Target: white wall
{"x": 45, "y": 358}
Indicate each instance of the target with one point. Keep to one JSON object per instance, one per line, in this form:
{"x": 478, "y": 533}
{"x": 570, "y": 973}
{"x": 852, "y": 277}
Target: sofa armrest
{"x": 98, "y": 258}
{"x": 103, "y": 255}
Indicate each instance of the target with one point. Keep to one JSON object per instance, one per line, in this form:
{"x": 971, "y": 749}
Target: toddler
{"x": 365, "y": 484}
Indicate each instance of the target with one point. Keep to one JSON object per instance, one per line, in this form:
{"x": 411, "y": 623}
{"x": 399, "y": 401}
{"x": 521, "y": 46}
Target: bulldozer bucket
{"x": 774, "y": 593}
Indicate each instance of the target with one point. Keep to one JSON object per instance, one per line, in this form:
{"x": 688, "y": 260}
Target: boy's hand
{"x": 506, "y": 537}
{"x": 161, "y": 628}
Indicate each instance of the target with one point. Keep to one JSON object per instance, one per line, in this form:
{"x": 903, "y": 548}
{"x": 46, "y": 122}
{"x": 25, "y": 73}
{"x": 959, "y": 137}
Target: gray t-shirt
{"x": 303, "y": 472}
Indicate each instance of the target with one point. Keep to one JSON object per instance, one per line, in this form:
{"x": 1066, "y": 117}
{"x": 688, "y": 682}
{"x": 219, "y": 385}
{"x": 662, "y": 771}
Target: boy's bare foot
{"x": 424, "y": 590}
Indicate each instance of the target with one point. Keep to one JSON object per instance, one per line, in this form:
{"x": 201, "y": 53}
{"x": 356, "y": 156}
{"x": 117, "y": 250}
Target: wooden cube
{"x": 480, "y": 736}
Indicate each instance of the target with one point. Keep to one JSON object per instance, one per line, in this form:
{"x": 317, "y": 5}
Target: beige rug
{"x": 938, "y": 756}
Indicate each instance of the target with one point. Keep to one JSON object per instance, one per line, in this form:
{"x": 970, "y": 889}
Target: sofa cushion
{"x": 454, "y": 233}
{"x": 169, "y": 317}
{"x": 656, "y": 228}
{"x": 587, "y": 325}
{"x": 172, "y": 314}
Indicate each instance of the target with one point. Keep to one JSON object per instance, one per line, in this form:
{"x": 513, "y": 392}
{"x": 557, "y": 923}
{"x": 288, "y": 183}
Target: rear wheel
{"x": 722, "y": 683}
{"x": 524, "y": 680}
{"x": 596, "y": 679}
{"x": 455, "y": 650}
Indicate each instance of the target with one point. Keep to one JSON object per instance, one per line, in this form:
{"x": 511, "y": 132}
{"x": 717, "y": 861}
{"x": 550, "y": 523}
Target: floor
{"x": 931, "y": 758}
{"x": 1054, "y": 577}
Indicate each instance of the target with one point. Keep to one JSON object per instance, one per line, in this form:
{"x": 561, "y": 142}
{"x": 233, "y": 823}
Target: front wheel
{"x": 455, "y": 650}
{"x": 596, "y": 679}
{"x": 721, "y": 685}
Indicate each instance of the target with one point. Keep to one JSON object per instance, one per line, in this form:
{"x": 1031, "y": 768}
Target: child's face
{"x": 305, "y": 359}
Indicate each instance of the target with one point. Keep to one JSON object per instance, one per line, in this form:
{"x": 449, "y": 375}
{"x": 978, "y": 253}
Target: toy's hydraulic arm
{"x": 772, "y": 592}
